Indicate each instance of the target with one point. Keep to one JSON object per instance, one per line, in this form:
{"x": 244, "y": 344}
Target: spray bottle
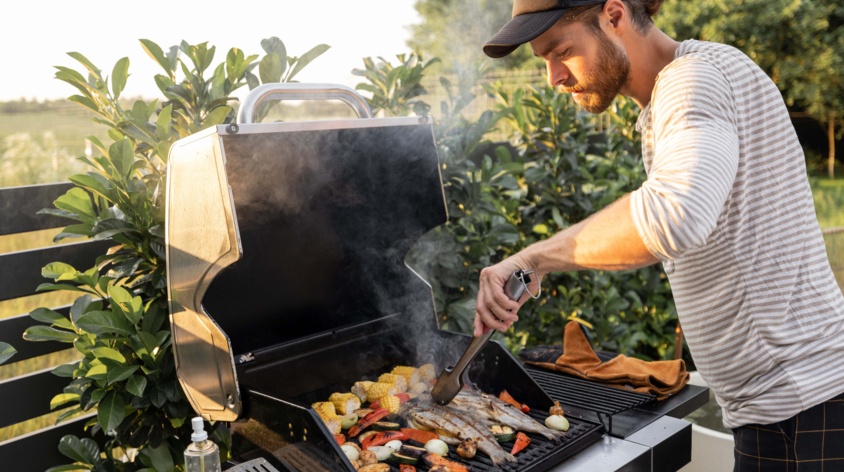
{"x": 201, "y": 455}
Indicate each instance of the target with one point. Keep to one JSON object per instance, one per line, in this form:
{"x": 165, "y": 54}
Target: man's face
{"x": 584, "y": 63}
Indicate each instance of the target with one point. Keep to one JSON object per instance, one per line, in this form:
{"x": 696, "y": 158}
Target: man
{"x": 726, "y": 208}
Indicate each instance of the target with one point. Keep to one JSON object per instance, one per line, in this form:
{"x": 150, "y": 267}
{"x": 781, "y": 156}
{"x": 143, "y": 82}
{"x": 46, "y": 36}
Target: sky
{"x": 38, "y": 34}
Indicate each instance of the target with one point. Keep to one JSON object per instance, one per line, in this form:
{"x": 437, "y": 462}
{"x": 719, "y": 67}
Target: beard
{"x": 599, "y": 89}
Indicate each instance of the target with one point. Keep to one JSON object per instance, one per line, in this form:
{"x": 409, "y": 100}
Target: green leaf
{"x": 96, "y": 184}
{"x": 46, "y": 333}
{"x": 97, "y": 371}
{"x": 78, "y": 202}
{"x": 136, "y": 385}
{"x": 111, "y": 411}
{"x": 122, "y": 155}
{"x": 65, "y": 370}
{"x": 104, "y": 322}
{"x": 118, "y": 371}
{"x": 306, "y": 59}
{"x": 541, "y": 229}
{"x": 109, "y": 353}
{"x": 159, "y": 457}
{"x": 54, "y": 318}
{"x": 92, "y": 69}
{"x": 119, "y": 75}
{"x": 164, "y": 123}
{"x": 270, "y": 69}
{"x": 217, "y": 116}
{"x": 6, "y": 351}
{"x": 80, "y": 450}
{"x": 155, "y": 52}
{"x": 62, "y": 399}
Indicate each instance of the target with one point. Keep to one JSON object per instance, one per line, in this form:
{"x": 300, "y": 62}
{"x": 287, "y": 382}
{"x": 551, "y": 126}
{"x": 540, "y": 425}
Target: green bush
{"x": 119, "y": 322}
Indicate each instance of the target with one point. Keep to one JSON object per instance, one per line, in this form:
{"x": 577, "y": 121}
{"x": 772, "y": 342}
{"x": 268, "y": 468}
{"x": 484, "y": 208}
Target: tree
{"x": 799, "y": 44}
{"x": 455, "y": 31}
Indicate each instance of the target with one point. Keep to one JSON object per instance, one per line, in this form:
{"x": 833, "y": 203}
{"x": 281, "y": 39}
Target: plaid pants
{"x": 813, "y": 440}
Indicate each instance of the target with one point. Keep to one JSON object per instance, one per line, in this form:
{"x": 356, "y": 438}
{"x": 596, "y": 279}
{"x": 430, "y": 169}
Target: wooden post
{"x": 678, "y": 342}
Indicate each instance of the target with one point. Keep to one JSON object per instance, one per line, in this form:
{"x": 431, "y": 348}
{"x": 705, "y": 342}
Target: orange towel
{"x": 660, "y": 378}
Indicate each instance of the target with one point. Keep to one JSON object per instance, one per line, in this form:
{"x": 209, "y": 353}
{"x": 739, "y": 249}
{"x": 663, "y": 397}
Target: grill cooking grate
{"x": 605, "y": 402}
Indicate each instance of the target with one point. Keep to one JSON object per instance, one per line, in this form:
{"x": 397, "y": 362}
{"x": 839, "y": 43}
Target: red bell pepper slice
{"x": 522, "y": 441}
{"x": 381, "y": 438}
{"x": 419, "y": 435}
{"x": 367, "y": 420}
{"x": 406, "y": 468}
{"x": 340, "y": 438}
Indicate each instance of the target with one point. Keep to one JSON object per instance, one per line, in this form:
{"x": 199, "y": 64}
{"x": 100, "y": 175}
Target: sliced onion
{"x": 557, "y": 422}
{"x": 437, "y": 446}
{"x": 395, "y": 445}
{"x": 382, "y": 453}
{"x": 351, "y": 452}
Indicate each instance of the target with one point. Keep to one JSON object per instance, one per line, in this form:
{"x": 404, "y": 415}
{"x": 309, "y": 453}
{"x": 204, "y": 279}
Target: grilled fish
{"x": 490, "y": 407}
{"x": 424, "y": 411}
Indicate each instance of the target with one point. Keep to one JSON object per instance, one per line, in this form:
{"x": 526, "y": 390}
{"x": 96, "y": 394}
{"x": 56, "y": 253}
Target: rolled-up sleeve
{"x": 695, "y": 159}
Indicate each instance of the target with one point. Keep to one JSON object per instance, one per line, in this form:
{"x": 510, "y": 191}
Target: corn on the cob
{"x": 360, "y": 388}
{"x": 397, "y": 380}
{"x": 427, "y": 373}
{"x": 378, "y": 390}
{"x": 390, "y": 403}
{"x": 409, "y": 373}
{"x": 344, "y": 403}
{"x": 326, "y": 411}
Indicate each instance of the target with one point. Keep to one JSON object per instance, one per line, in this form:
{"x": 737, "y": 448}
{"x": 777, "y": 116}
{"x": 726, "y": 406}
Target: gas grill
{"x": 287, "y": 281}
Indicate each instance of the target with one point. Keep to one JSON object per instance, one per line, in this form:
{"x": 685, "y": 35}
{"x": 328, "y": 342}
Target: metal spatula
{"x": 451, "y": 380}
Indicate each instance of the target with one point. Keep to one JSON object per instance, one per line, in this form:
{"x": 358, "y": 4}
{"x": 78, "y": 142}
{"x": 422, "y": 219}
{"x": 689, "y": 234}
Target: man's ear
{"x": 615, "y": 14}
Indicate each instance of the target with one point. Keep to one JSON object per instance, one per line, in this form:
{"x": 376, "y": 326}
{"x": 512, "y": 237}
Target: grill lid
{"x": 282, "y": 232}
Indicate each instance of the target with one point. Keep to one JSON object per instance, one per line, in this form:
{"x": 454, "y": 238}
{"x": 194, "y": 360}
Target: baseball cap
{"x": 530, "y": 19}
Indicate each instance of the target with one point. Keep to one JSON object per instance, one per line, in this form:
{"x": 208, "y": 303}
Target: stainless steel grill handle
{"x": 296, "y": 91}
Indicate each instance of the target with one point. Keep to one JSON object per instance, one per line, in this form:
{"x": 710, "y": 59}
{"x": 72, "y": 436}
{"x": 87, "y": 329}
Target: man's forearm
{"x": 607, "y": 240}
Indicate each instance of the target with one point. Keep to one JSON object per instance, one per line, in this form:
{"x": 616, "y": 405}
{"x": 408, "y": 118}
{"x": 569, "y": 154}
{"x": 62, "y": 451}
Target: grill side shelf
{"x": 596, "y": 402}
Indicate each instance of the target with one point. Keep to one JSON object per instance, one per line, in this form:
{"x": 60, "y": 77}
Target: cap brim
{"x": 520, "y": 30}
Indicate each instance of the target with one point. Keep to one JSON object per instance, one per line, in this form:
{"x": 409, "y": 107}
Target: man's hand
{"x": 494, "y": 310}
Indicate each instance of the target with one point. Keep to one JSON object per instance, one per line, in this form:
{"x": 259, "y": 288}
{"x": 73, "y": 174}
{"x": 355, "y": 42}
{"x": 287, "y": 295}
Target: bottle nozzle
{"x": 199, "y": 433}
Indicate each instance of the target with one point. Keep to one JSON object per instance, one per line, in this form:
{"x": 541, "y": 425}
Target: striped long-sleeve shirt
{"x": 728, "y": 210}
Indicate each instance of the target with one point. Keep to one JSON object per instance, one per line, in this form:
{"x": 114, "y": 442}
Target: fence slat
{"x": 28, "y": 396}
{"x": 30, "y": 453}
{"x": 19, "y": 207}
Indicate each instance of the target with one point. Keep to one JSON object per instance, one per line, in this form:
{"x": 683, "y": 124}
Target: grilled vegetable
{"x": 375, "y": 468}
{"x": 364, "y": 423}
{"x": 468, "y": 448}
{"x": 412, "y": 451}
{"x": 340, "y": 438}
{"x": 411, "y": 374}
{"x": 381, "y": 438}
{"x": 419, "y": 435}
{"x": 437, "y": 446}
{"x": 385, "y": 426}
{"x": 347, "y": 421}
{"x": 522, "y": 441}
{"x": 388, "y": 402}
{"x": 558, "y": 422}
{"x": 502, "y": 433}
{"x": 395, "y": 445}
{"x": 344, "y": 403}
{"x": 556, "y": 409}
{"x": 368, "y": 457}
{"x": 399, "y": 458}
{"x": 360, "y": 388}
{"x": 326, "y": 412}
{"x": 397, "y": 380}
{"x": 351, "y": 452}
{"x": 406, "y": 468}
{"x": 435, "y": 460}
{"x": 402, "y": 397}
{"x": 506, "y": 397}
{"x": 382, "y": 453}
{"x": 379, "y": 390}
